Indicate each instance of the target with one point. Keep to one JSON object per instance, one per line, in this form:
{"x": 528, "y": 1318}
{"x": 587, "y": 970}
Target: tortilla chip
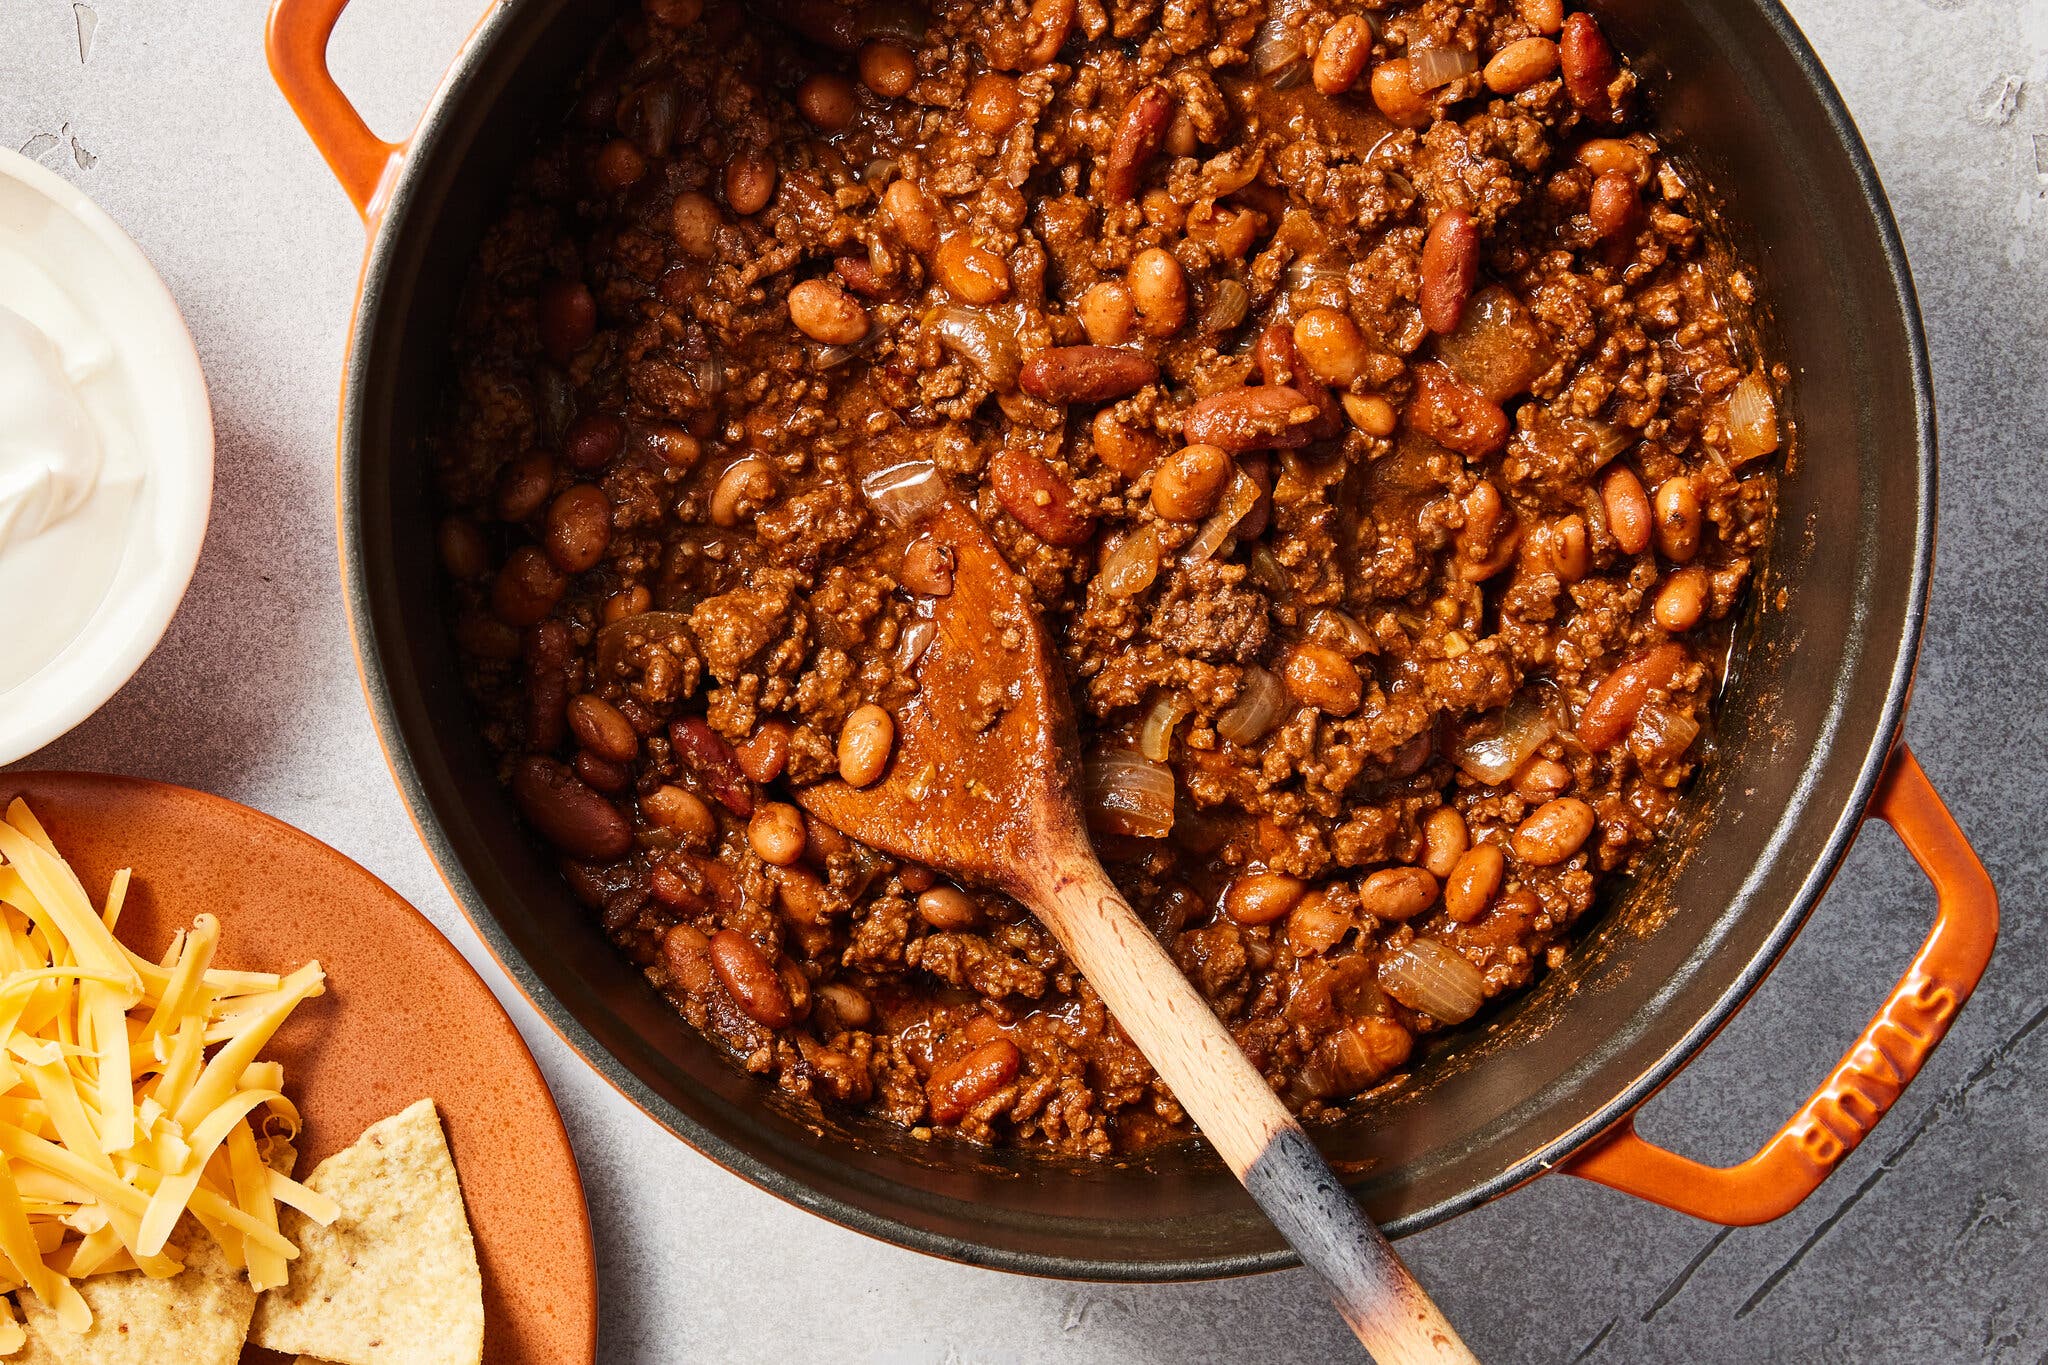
{"x": 393, "y": 1281}
{"x": 199, "y": 1316}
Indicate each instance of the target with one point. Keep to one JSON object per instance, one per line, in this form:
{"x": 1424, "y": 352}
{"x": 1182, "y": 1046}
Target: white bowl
{"x": 114, "y": 283}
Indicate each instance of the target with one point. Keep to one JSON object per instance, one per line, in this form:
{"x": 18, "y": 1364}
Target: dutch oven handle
{"x": 1875, "y": 1071}
{"x": 296, "y": 41}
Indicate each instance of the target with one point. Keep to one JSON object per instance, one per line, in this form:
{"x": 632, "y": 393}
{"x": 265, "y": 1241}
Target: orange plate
{"x": 403, "y": 1017}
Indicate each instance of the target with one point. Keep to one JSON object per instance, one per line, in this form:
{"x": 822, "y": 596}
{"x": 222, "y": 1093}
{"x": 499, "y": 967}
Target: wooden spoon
{"x": 983, "y": 786}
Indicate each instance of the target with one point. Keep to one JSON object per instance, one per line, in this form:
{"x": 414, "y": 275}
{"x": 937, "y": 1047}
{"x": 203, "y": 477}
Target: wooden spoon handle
{"x": 1240, "y": 1115}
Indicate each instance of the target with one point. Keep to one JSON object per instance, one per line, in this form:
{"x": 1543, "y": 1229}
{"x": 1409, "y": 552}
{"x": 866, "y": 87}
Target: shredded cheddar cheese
{"x": 114, "y": 1119}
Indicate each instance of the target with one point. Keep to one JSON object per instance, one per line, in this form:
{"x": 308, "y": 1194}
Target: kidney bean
{"x": 486, "y": 637}
{"x": 1258, "y": 467}
{"x": 1188, "y": 485}
{"x": 1085, "y": 374}
{"x": 602, "y": 729}
{"x": 1341, "y": 54}
{"x": 763, "y": 754}
{"x": 523, "y": 487}
{"x": 1393, "y": 90}
{"x": 865, "y": 742}
{"x": 1520, "y": 65}
{"x": 1040, "y": 500}
{"x": 527, "y": 587}
{"x": 568, "y": 318}
{"x": 1319, "y": 676}
{"x": 909, "y": 212}
{"x": 1269, "y": 417}
{"x": 1444, "y": 840}
{"x": 824, "y": 312}
{"x": 973, "y": 274}
{"x": 599, "y": 773}
{"x": 464, "y": 552}
{"x": 948, "y": 909}
{"x": 713, "y": 761}
{"x": 1159, "y": 291}
{"x": 1589, "y": 66}
{"x": 681, "y": 812}
{"x": 1138, "y": 135}
{"x": 1627, "y": 508}
{"x": 1470, "y": 887}
{"x": 1450, "y": 265}
{"x": 956, "y": 1087}
{"x": 1681, "y": 602}
{"x": 858, "y": 274}
{"x": 1612, "y": 205}
{"x": 1554, "y": 833}
{"x": 1280, "y": 365}
{"x": 579, "y": 528}
{"x": 749, "y": 182}
{"x": 1610, "y": 712}
{"x": 1454, "y": 414}
{"x": 567, "y": 813}
{"x": 1397, "y": 893}
{"x": 1677, "y": 519}
{"x": 1614, "y": 156}
{"x": 1262, "y": 897}
{"x": 752, "y": 981}
{"x": 594, "y": 440}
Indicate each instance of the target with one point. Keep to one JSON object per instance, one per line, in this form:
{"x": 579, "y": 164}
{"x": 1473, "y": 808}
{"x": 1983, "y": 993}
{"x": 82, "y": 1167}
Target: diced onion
{"x": 1257, "y": 710}
{"x": 1429, "y": 977}
{"x": 1752, "y": 420}
{"x": 1155, "y": 740}
{"x": 1226, "y": 308}
{"x": 1238, "y": 501}
{"x": 1132, "y": 565}
{"x": 911, "y": 645}
{"x": 1338, "y": 629}
{"x": 1124, "y": 793}
{"x": 1662, "y": 732}
{"x": 901, "y": 493}
{"x": 1492, "y": 756}
{"x": 832, "y": 357}
{"x": 1276, "y": 46}
{"x": 1268, "y": 572}
{"x": 976, "y": 338}
{"x": 1430, "y": 67}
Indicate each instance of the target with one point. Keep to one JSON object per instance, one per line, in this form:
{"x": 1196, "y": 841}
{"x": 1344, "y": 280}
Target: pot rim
{"x": 743, "y": 1163}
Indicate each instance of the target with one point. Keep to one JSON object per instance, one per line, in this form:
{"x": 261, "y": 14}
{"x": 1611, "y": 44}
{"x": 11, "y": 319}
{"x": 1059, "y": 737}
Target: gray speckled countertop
{"x": 1926, "y": 1246}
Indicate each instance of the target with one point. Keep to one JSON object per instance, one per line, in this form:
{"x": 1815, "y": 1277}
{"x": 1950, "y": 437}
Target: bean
{"x": 1558, "y": 547}
{"x": 675, "y": 13}
{"x": 568, "y": 318}
{"x": 1612, "y": 205}
{"x": 712, "y": 760}
{"x": 1444, "y": 840}
{"x": 1262, "y": 897}
{"x": 1159, "y": 291}
{"x": 865, "y": 742}
{"x": 956, "y": 1087}
{"x": 687, "y": 955}
{"x": 840, "y": 1008}
{"x": 1450, "y": 265}
{"x": 579, "y": 528}
{"x": 1107, "y": 314}
{"x": 1040, "y": 500}
{"x": 1454, "y": 414}
{"x": 1470, "y": 887}
{"x": 1545, "y": 16}
{"x": 1316, "y": 926}
{"x": 1181, "y": 138}
{"x": 1319, "y": 676}
{"x": 567, "y": 813}
{"x": 601, "y": 728}
{"x": 1677, "y": 519}
{"x": 1330, "y": 345}
{"x": 464, "y": 553}
{"x": 775, "y": 832}
{"x": 1610, "y": 712}
{"x": 827, "y": 101}
{"x": 1589, "y": 66}
{"x": 973, "y": 274}
{"x": 1681, "y": 602}
{"x": 1190, "y": 482}
{"x": 631, "y": 602}
{"x": 928, "y": 568}
{"x": 749, "y": 182}
{"x": 617, "y": 166}
{"x": 674, "y": 446}
{"x": 993, "y": 104}
{"x": 1542, "y": 778}
{"x": 1614, "y": 156}
{"x": 1280, "y": 366}
{"x": 605, "y": 776}
{"x": 1341, "y": 55}
{"x": 948, "y": 909}
{"x": 887, "y": 69}
{"x": 1045, "y": 30}
{"x": 694, "y": 221}
{"x": 527, "y": 587}
{"x": 594, "y": 440}
{"x": 1627, "y": 508}
{"x": 1269, "y": 417}
{"x": 765, "y": 753}
{"x": 486, "y": 637}
{"x": 742, "y": 490}
{"x": 523, "y": 487}
{"x": 1127, "y": 449}
{"x": 1393, "y": 90}
{"x": 1371, "y": 414}
{"x": 1554, "y": 833}
{"x": 909, "y": 212}
{"x": 1520, "y": 65}
{"x": 1397, "y": 893}
{"x": 756, "y": 987}
{"x": 824, "y": 312}
{"x": 680, "y": 811}
{"x": 1138, "y": 136}
{"x": 1085, "y": 374}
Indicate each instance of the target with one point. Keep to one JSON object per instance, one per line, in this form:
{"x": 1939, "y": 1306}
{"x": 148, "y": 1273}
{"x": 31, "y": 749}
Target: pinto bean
{"x": 1554, "y": 832}
{"x": 1107, "y": 314}
{"x": 1454, "y": 414}
{"x": 827, "y": 101}
{"x": 1159, "y": 290}
{"x": 749, "y": 182}
{"x": 1188, "y": 485}
{"x": 1397, "y": 893}
{"x": 1589, "y": 66}
{"x": 567, "y": 813}
{"x": 865, "y": 743}
{"x": 887, "y": 69}
{"x": 1677, "y": 519}
{"x": 1682, "y": 600}
{"x": 742, "y": 490}
{"x": 909, "y": 211}
{"x": 680, "y": 811}
{"x": 1450, "y": 265}
{"x": 1269, "y": 417}
{"x": 775, "y": 832}
{"x": 1490, "y": 536}
{"x": 1444, "y": 840}
{"x": 956, "y": 1087}
{"x": 1138, "y": 136}
{"x": 1040, "y": 500}
{"x": 1129, "y": 450}
{"x": 464, "y": 552}
{"x": 1331, "y": 345}
{"x": 1085, "y": 374}
{"x": 618, "y": 165}
{"x": 1612, "y": 206}
{"x": 824, "y": 312}
{"x": 527, "y": 587}
{"x": 579, "y": 528}
{"x": 754, "y": 984}
{"x": 1319, "y": 676}
{"x": 973, "y": 274}
{"x": 568, "y": 318}
{"x": 1520, "y": 65}
{"x": 948, "y": 909}
{"x": 1262, "y": 897}
{"x": 928, "y": 568}
{"x": 1472, "y": 883}
{"x": 1610, "y": 712}
{"x": 1627, "y": 508}
{"x": 523, "y": 487}
{"x": 1281, "y": 365}
{"x": 1393, "y": 90}
{"x": 1371, "y": 414}
{"x": 687, "y": 955}
{"x": 1341, "y": 54}
{"x": 601, "y": 728}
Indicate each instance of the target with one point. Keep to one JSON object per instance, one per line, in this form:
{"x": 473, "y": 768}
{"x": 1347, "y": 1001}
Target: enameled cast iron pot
{"x": 1807, "y": 746}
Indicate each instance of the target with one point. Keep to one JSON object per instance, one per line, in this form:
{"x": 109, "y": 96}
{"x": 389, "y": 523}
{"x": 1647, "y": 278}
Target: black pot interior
{"x": 1818, "y": 676}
